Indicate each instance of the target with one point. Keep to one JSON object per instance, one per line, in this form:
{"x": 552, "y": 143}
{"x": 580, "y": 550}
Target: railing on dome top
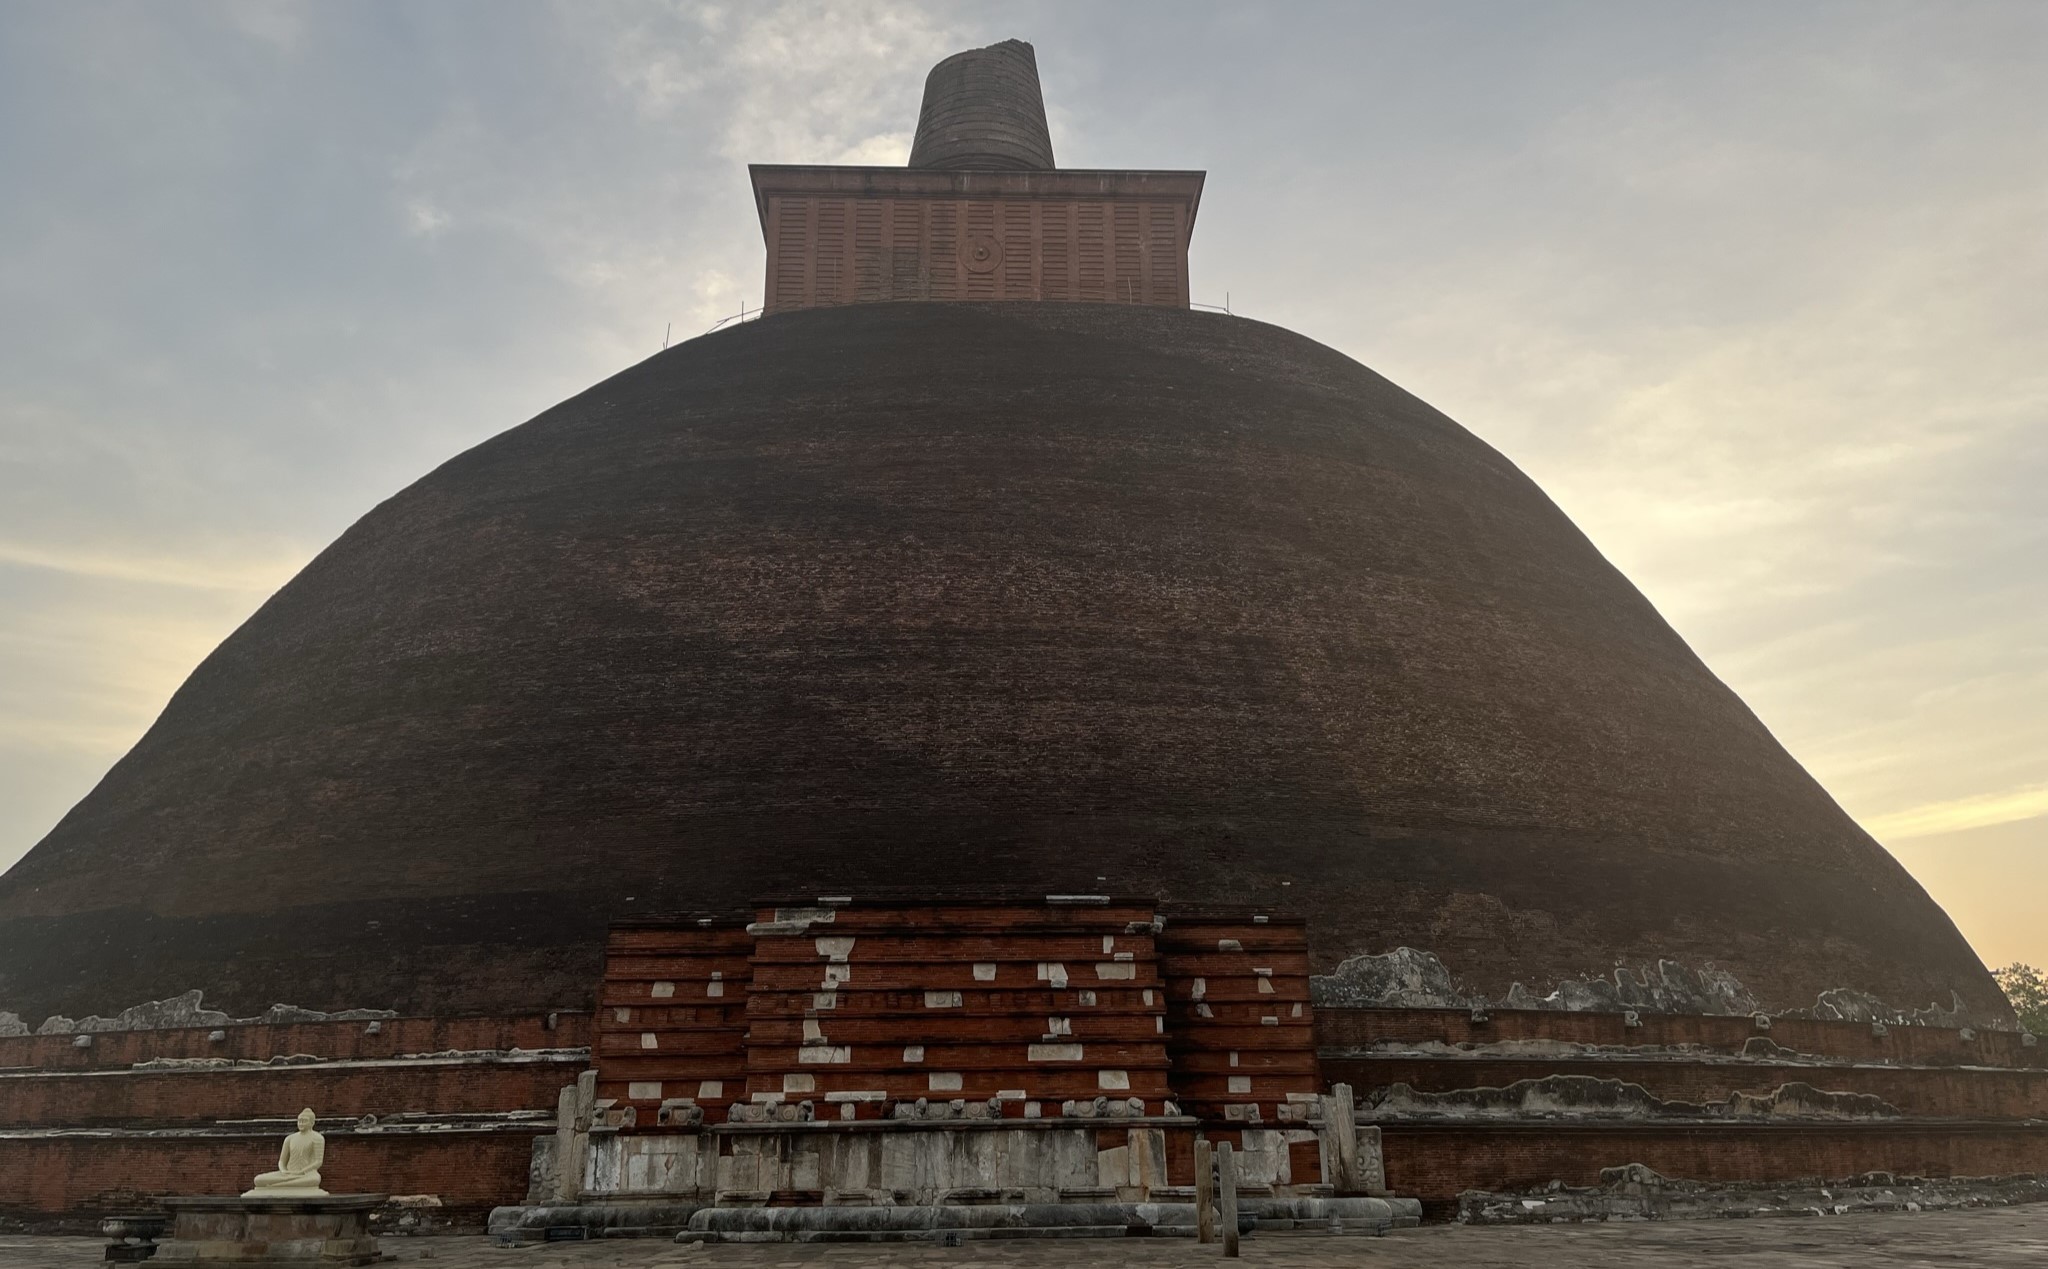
{"x": 744, "y": 315}
{"x": 749, "y": 314}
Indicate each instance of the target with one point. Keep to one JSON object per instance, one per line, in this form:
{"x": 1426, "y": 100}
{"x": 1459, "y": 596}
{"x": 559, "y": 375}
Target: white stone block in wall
{"x": 1113, "y": 1079}
{"x": 799, "y": 1083}
{"x": 943, "y": 1081}
{"x": 644, "y": 1090}
{"x": 913, "y": 1053}
{"x": 1229, "y": 945}
{"x": 942, "y": 1000}
{"x": 1116, "y": 969}
{"x": 1054, "y": 1053}
{"x": 1052, "y": 972}
{"x": 825, "y": 1054}
{"x": 714, "y": 989}
{"x": 647, "y": 1040}
{"x": 622, "y": 1014}
{"x": 1240, "y": 1083}
{"x": 710, "y": 1090}
{"x": 984, "y": 971}
{"x": 662, "y": 991}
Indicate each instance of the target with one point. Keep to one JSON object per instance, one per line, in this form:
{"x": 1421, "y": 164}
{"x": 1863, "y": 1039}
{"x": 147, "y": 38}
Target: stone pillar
{"x": 1372, "y": 1161}
{"x": 572, "y": 1134}
{"x": 1226, "y": 1195}
{"x": 1146, "y": 1154}
{"x": 1340, "y": 1141}
{"x": 1205, "y": 1192}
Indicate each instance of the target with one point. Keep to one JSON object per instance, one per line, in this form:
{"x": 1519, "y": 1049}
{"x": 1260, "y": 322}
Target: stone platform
{"x": 209, "y": 1232}
{"x": 914, "y": 1223}
{"x": 1997, "y": 1238}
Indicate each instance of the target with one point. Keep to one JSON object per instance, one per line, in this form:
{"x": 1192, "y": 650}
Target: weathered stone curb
{"x": 1634, "y": 1192}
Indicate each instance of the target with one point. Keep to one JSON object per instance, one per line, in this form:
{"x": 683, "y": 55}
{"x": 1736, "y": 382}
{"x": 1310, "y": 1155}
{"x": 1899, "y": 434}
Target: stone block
{"x": 212, "y": 1233}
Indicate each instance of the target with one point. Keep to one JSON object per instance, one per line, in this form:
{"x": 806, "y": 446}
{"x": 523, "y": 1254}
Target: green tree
{"x": 2027, "y": 989}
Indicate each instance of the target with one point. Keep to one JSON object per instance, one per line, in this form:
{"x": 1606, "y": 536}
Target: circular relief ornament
{"x": 981, "y": 253}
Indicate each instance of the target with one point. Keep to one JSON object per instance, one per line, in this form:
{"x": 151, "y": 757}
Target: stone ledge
{"x": 866, "y": 1222}
{"x": 309, "y": 1204}
{"x": 1634, "y": 1192}
{"x": 1369, "y": 1216}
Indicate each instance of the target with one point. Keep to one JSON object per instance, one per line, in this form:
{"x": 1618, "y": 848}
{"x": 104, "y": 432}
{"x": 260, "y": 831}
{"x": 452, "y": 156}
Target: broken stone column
{"x": 573, "y": 1110}
{"x": 1340, "y": 1141}
{"x": 1372, "y": 1161}
{"x": 1226, "y": 1197}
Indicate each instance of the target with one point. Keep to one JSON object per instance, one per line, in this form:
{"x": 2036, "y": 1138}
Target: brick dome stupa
{"x": 981, "y": 561}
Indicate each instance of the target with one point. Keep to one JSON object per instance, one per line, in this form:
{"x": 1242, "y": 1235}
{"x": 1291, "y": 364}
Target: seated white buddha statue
{"x": 298, "y": 1164}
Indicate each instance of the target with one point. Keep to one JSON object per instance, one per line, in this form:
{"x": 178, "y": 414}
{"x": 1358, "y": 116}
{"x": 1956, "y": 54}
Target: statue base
{"x": 272, "y": 1232}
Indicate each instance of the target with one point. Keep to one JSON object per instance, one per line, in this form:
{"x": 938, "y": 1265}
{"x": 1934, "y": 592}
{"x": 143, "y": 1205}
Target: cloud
{"x": 253, "y": 576}
{"x": 1980, "y": 811}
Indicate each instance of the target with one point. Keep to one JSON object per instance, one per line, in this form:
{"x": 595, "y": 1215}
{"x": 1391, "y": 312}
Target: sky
{"x": 1757, "y": 291}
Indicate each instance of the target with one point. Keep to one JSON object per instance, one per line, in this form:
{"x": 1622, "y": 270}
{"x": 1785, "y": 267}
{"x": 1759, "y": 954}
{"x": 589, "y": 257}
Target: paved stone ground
{"x": 1992, "y": 1238}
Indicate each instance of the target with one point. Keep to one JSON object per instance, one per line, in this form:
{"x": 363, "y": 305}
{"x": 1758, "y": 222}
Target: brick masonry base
{"x": 68, "y": 1181}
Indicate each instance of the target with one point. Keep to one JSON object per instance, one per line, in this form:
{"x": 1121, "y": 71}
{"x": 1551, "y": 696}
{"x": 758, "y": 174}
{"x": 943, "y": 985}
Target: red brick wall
{"x": 1434, "y": 1162}
{"x": 1947, "y": 1091}
{"x": 161, "y": 1098}
{"x": 1361, "y": 1028}
{"x": 394, "y": 1036}
{"x": 45, "y": 1176}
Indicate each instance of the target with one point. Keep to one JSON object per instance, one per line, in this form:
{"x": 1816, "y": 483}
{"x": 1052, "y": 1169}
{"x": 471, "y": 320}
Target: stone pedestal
{"x": 212, "y": 1233}
{"x": 134, "y": 1236}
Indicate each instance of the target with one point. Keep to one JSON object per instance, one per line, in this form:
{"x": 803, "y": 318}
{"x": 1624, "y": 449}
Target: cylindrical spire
{"x": 983, "y": 109}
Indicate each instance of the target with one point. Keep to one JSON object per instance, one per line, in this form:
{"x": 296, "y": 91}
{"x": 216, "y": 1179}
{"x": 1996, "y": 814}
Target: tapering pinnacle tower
{"x": 980, "y": 213}
{"x": 983, "y": 110}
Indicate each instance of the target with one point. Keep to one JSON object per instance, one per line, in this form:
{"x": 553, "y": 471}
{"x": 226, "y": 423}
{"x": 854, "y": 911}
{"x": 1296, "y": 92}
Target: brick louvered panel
{"x": 867, "y": 249}
{"x": 1242, "y": 1031}
{"x": 857, "y": 1006}
{"x": 671, "y": 1016}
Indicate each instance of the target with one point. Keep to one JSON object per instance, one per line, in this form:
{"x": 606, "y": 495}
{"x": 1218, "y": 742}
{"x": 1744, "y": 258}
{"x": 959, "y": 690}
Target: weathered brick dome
{"x": 1048, "y": 596}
